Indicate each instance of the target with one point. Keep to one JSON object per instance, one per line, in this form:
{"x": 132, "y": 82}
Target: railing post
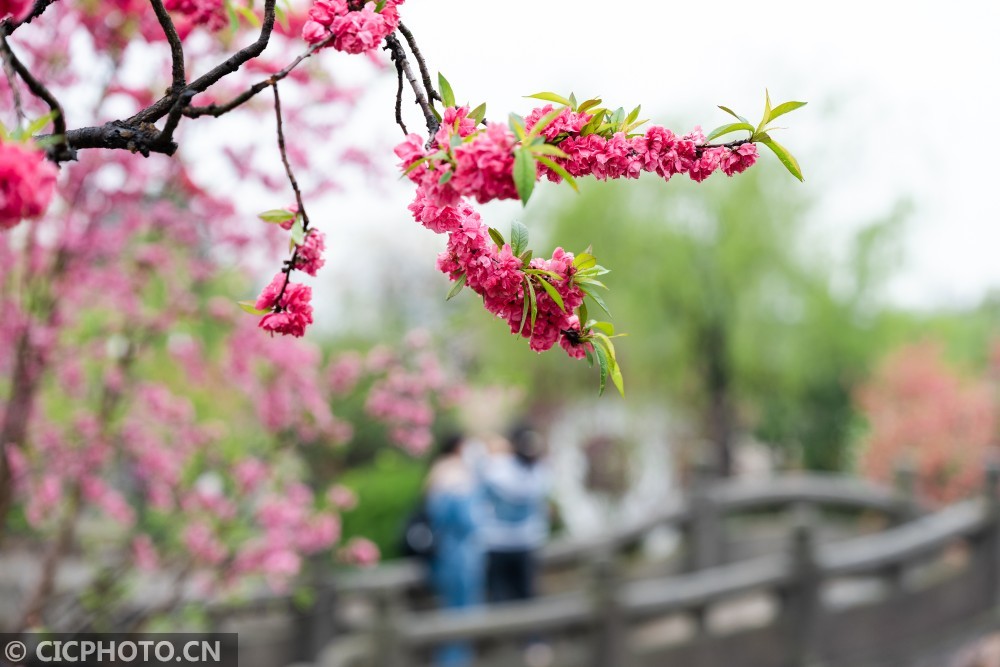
{"x": 705, "y": 533}
{"x": 609, "y": 647}
{"x": 385, "y": 636}
{"x": 802, "y": 601}
{"x": 991, "y": 491}
{"x": 906, "y": 488}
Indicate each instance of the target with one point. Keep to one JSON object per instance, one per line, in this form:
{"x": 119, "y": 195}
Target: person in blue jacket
{"x": 452, "y": 502}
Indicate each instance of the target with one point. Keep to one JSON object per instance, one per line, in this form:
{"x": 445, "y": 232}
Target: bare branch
{"x": 399, "y": 97}
{"x": 217, "y": 110}
{"x": 60, "y": 149}
{"x": 176, "y": 49}
{"x": 35, "y": 11}
{"x": 398, "y": 56}
{"x": 428, "y": 82}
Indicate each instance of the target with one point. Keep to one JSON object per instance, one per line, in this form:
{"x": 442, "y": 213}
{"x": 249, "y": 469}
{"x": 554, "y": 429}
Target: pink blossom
{"x": 342, "y": 497}
{"x": 294, "y": 312}
{"x": 27, "y": 182}
{"x": 361, "y": 552}
{"x": 17, "y": 9}
{"x": 740, "y": 159}
{"x": 144, "y": 553}
{"x": 310, "y": 254}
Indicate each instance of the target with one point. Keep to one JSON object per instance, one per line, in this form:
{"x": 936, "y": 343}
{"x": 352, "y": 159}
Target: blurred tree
{"x": 735, "y": 314}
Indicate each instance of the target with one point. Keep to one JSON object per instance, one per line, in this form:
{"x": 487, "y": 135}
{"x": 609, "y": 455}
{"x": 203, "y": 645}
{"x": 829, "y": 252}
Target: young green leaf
{"x": 559, "y": 169}
{"x": 599, "y": 301}
{"x": 606, "y": 327}
{"x": 298, "y": 231}
{"x": 572, "y": 101}
{"x": 533, "y": 301}
{"x": 727, "y": 129}
{"x": 497, "y": 237}
{"x": 553, "y": 293}
{"x": 446, "y": 176}
{"x": 459, "y": 284}
{"x": 602, "y": 360}
{"x": 516, "y": 124}
{"x": 524, "y": 173}
{"x": 447, "y": 94}
{"x": 526, "y": 256}
{"x": 785, "y": 107}
{"x": 633, "y": 115}
{"x": 767, "y": 111}
{"x": 734, "y": 114}
{"x": 518, "y": 237}
{"x": 276, "y": 216}
{"x": 547, "y": 149}
{"x": 551, "y": 97}
{"x": 251, "y": 307}
{"x": 584, "y": 261}
{"x": 479, "y": 113}
{"x": 791, "y": 164}
{"x": 588, "y": 105}
{"x": 250, "y": 17}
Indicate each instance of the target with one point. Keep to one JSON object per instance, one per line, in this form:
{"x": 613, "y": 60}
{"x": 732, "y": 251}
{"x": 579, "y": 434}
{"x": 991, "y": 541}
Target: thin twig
{"x": 399, "y": 97}
{"x": 428, "y": 82}
{"x": 291, "y": 262}
{"x": 217, "y": 110}
{"x": 176, "y": 48}
{"x": 731, "y": 145}
{"x": 38, "y": 89}
{"x": 15, "y": 91}
{"x": 35, "y": 11}
{"x": 398, "y": 55}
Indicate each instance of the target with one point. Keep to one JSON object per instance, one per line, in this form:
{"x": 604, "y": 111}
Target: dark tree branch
{"x": 290, "y": 264}
{"x": 217, "y": 110}
{"x": 35, "y": 11}
{"x": 143, "y": 138}
{"x": 428, "y": 82}
{"x": 176, "y": 49}
{"x": 15, "y": 91}
{"x": 399, "y": 97}
{"x": 398, "y": 56}
{"x": 731, "y": 145}
{"x": 60, "y": 149}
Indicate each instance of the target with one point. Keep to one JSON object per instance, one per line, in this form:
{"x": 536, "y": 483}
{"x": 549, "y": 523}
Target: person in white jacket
{"x": 515, "y": 482}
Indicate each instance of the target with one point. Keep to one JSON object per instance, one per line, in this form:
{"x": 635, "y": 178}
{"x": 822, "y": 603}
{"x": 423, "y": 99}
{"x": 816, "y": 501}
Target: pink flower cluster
{"x": 482, "y": 168}
{"x": 27, "y": 182}
{"x": 355, "y": 28}
{"x": 309, "y": 257}
{"x": 208, "y": 13}
{"x": 361, "y": 552}
{"x": 289, "y": 303}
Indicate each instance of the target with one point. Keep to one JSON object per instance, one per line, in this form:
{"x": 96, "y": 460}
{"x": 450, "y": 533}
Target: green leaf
{"x": 572, "y": 101}
{"x": 633, "y": 115}
{"x": 524, "y": 309}
{"x": 479, "y": 113}
{"x": 785, "y": 107}
{"x": 447, "y": 94}
{"x": 415, "y": 165}
{"x": 584, "y": 261}
{"x": 602, "y": 360}
{"x": 551, "y": 97}
{"x": 599, "y": 301}
{"x": 593, "y": 125}
{"x": 380, "y": 5}
{"x": 547, "y": 149}
{"x": 734, "y": 114}
{"x": 606, "y": 327}
{"x": 767, "y": 111}
{"x": 251, "y": 307}
{"x": 234, "y": 19}
{"x": 729, "y": 128}
{"x": 497, "y": 237}
{"x": 587, "y": 280}
{"x": 459, "y": 284}
{"x": 582, "y": 312}
{"x": 38, "y": 124}
{"x": 542, "y": 123}
{"x": 553, "y": 293}
{"x": 559, "y": 169}
{"x": 791, "y": 164}
{"x": 526, "y": 256}
{"x": 524, "y": 173}
{"x": 516, "y": 124}
{"x": 588, "y": 105}
{"x": 276, "y": 216}
{"x": 446, "y": 176}
{"x": 298, "y": 231}
{"x": 534, "y": 302}
{"x": 518, "y": 237}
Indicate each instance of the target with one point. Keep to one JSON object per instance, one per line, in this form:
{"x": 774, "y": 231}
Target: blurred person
{"x": 452, "y": 503}
{"x": 516, "y": 483}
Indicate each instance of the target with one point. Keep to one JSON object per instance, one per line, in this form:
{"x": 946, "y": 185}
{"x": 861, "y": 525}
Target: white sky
{"x": 902, "y": 100}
